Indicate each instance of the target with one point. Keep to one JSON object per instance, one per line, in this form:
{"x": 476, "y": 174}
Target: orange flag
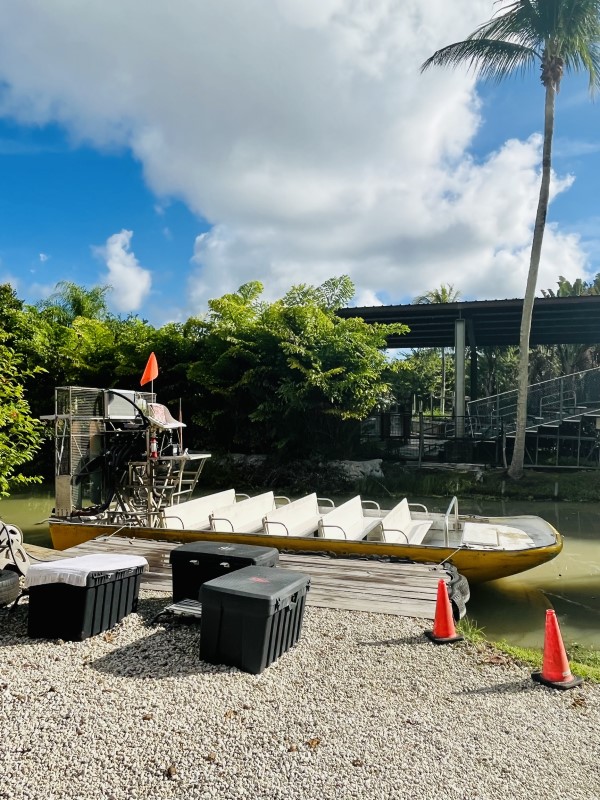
{"x": 151, "y": 371}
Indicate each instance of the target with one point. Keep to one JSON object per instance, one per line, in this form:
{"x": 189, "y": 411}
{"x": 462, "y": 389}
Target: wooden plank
{"x": 42, "y": 553}
{"x": 399, "y": 580}
{"x": 374, "y": 571}
{"x": 401, "y": 589}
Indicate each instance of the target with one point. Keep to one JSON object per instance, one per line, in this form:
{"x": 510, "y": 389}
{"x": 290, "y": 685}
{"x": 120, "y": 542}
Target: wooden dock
{"x": 406, "y": 590}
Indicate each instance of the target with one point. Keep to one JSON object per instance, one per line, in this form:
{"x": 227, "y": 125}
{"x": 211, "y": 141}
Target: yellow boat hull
{"x": 477, "y": 565}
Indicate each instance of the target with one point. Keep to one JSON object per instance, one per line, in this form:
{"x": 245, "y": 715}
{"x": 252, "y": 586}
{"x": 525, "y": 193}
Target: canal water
{"x": 512, "y": 608}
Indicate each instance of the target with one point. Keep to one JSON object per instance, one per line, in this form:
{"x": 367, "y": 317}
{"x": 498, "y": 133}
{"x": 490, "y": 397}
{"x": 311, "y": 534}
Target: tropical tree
{"x": 571, "y": 358}
{"x": 446, "y": 293}
{"x": 287, "y": 376}
{"x": 556, "y": 35}
{"x": 69, "y": 301}
{"x": 497, "y": 369}
{"x": 20, "y": 433}
{"x": 578, "y": 288}
{"x": 415, "y": 375}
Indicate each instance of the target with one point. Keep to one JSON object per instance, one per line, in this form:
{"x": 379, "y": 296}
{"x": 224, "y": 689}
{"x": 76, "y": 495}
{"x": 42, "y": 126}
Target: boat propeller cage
{"x": 118, "y": 456}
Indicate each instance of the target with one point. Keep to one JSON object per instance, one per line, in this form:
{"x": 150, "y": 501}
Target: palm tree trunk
{"x": 516, "y": 465}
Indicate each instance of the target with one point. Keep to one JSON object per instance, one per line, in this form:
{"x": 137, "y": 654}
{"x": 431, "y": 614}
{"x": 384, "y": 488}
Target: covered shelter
{"x": 486, "y": 323}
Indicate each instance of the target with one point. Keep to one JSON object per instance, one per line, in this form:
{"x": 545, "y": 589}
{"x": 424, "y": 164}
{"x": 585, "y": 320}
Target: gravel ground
{"x": 363, "y": 707}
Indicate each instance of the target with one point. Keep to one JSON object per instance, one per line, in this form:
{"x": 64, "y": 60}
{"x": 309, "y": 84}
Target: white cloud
{"x": 302, "y": 130}
{"x": 44, "y": 257}
{"x": 129, "y": 281}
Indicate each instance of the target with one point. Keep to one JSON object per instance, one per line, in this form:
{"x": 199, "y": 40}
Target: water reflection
{"x": 511, "y": 608}
{"x": 28, "y": 510}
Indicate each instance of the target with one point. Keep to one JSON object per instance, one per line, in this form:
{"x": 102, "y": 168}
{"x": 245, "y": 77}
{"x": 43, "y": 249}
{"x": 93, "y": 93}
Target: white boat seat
{"x": 193, "y": 515}
{"x": 348, "y": 522}
{"x": 243, "y": 517}
{"x": 398, "y": 525}
{"x": 298, "y": 518}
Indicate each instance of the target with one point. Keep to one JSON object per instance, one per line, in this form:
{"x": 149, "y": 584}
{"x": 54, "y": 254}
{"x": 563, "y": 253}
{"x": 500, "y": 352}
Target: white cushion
{"x": 75, "y": 571}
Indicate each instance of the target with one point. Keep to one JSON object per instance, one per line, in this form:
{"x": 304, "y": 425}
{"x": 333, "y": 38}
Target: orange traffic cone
{"x": 443, "y": 631}
{"x": 555, "y": 666}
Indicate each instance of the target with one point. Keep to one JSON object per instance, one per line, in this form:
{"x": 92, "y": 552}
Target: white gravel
{"x": 363, "y": 707}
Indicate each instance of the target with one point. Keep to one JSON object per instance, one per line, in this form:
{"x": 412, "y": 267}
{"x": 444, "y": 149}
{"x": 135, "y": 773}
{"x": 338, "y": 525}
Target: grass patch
{"x": 469, "y": 629}
{"x": 583, "y": 661}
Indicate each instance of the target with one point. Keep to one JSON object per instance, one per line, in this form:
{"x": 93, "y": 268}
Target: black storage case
{"x": 252, "y": 616}
{"x": 72, "y": 613}
{"x": 195, "y": 563}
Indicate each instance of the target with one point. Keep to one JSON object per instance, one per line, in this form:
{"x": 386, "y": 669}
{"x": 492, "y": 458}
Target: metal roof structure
{"x": 490, "y": 323}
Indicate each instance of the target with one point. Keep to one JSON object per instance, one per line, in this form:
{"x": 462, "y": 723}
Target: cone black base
{"x": 568, "y": 684}
{"x": 443, "y": 639}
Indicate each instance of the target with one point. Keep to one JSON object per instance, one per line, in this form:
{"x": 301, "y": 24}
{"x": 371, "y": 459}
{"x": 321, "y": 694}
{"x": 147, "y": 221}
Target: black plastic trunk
{"x": 194, "y": 564}
{"x": 72, "y": 613}
{"x": 252, "y": 616}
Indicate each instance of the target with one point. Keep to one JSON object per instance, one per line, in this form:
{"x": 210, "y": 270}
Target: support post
{"x": 459, "y": 377}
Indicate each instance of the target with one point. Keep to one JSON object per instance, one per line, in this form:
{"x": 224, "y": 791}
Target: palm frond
{"x": 517, "y": 23}
{"x": 487, "y": 58}
{"x": 585, "y": 59}
{"x": 522, "y": 32}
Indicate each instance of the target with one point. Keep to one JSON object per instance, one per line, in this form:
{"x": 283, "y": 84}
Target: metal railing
{"x": 563, "y": 428}
{"x": 547, "y": 402}
{"x": 453, "y": 505}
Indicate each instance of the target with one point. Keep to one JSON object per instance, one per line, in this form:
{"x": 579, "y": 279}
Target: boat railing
{"x": 370, "y": 504}
{"x": 453, "y": 505}
{"x": 131, "y": 517}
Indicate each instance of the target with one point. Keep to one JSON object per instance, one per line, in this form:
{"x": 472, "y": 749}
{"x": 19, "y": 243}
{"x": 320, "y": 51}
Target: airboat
{"x": 120, "y": 468}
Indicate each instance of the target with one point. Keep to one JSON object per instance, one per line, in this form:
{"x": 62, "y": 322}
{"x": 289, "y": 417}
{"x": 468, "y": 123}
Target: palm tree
{"x": 446, "y": 293}
{"x": 558, "y": 35}
{"x": 69, "y": 301}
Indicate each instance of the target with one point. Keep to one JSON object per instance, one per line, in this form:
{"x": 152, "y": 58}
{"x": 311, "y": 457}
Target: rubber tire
{"x": 10, "y": 587}
{"x": 459, "y": 607}
{"x": 462, "y": 586}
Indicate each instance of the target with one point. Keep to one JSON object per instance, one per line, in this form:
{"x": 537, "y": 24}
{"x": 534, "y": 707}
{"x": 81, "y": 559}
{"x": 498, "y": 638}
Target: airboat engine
{"x": 118, "y": 457}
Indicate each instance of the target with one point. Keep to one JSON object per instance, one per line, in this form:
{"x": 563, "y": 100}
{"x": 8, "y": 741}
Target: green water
{"x": 514, "y": 608}
{"x": 511, "y": 608}
{"x": 28, "y": 511}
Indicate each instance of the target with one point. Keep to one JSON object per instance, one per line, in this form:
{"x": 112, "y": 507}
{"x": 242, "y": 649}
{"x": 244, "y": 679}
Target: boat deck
{"x": 406, "y": 590}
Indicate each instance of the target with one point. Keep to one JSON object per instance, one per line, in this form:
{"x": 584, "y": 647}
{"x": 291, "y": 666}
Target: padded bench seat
{"x": 298, "y": 518}
{"x": 398, "y": 526}
{"x": 348, "y": 522}
{"x": 243, "y": 517}
{"x": 194, "y": 515}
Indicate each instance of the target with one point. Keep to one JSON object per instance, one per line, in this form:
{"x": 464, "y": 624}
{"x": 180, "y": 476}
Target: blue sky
{"x": 175, "y": 154}
{"x": 61, "y": 201}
